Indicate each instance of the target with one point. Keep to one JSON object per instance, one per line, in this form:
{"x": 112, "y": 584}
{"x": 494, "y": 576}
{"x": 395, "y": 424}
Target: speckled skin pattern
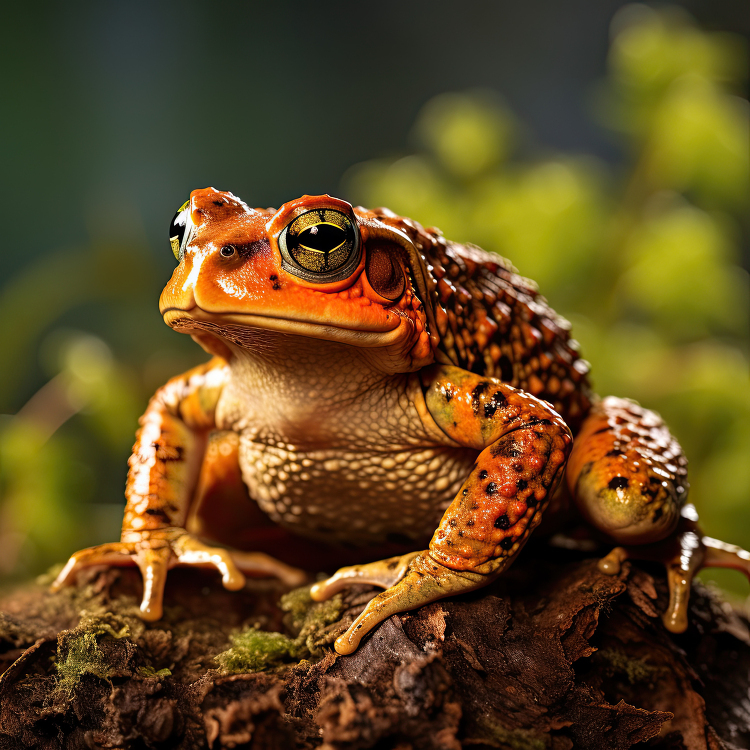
{"x": 425, "y": 390}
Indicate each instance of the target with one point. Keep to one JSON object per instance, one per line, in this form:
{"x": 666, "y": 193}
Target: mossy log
{"x": 553, "y": 656}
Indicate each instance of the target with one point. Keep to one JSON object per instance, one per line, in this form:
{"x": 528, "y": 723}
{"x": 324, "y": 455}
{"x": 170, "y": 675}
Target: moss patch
{"x": 636, "y": 670}
{"x": 151, "y": 672}
{"x": 312, "y": 620}
{"x": 78, "y": 651}
{"x": 254, "y": 650}
{"x": 517, "y": 739}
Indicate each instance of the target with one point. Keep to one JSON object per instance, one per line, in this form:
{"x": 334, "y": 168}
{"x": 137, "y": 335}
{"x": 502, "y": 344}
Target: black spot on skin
{"x": 218, "y": 203}
{"x": 618, "y": 483}
{"x": 658, "y": 513}
{"x": 518, "y": 468}
{"x": 535, "y": 422}
{"x": 522, "y": 484}
{"x": 276, "y": 285}
{"x": 465, "y": 492}
{"x": 455, "y": 424}
{"x": 494, "y": 404}
{"x": 476, "y": 395}
{"x": 273, "y": 277}
{"x": 491, "y": 488}
{"x": 460, "y": 533}
{"x": 502, "y": 522}
{"x": 507, "y": 543}
{"x": 615, "y": 452}
{"x": 470, "y": 522}
{"x": 452, "y": 522}
{"x": 160, "y": 513}
{"x": 506, "y": 369}
{"x": 177, "y": 450}
{"x": 483, "y": 474}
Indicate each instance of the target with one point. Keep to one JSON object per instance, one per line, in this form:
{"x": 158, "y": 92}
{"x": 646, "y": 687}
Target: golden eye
{"x": 179, "y": 235}
{"x": 320, "y": 245}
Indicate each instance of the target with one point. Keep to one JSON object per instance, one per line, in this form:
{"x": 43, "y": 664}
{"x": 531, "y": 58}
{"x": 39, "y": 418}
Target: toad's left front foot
{"x": 683, "y": 554}
{"x": 411, "y": 581}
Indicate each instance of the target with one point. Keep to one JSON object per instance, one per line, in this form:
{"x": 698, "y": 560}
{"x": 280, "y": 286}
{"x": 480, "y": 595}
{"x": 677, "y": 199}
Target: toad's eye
{"x": 180, "y": 230}
{"x": 321, "y": 245}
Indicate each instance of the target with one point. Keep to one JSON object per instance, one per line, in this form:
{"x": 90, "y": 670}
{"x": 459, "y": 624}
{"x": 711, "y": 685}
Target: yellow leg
{"x": 116, "y": 553}
{"x": 383, "y": 573}
{"x": 425, "y": 581}
{"x": 683, "y": 554}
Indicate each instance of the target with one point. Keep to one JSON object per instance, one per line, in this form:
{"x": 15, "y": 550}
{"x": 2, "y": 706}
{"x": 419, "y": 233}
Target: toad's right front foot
{"x": 155, "y": 552}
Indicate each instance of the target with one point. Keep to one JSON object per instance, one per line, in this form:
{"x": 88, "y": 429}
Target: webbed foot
{"x": 683, "y": 554}
{"x": 155, "y": 552}
{"x": 410, "y": 581}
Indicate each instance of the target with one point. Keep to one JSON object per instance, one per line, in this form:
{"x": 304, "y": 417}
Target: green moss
{"x": 78, "y": 651}
{"x": 517, "y": 739}
{"x": 151, "y": 672}
{"x": 297, "y": 603}
{"x": 636, "y": 670}
{"x": 310, "y": 620}
{"x": 253, "y": 649}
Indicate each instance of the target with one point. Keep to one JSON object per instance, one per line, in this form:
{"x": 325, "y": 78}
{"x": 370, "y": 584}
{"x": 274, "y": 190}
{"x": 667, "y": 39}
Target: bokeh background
{"x": 601, "y": 146}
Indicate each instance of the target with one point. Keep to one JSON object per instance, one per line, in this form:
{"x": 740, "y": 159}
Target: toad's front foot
{"x": 155, "y": 552}
{"x": 410, "y": 581}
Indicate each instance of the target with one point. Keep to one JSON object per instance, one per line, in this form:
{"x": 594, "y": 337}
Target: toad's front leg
{"x": 524, "y": 445}
{"x": 164, "y": 469}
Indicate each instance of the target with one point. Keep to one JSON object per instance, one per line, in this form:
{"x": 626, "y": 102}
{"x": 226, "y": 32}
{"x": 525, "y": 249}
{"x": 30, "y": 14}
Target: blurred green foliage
{"x": 643, "y": 258}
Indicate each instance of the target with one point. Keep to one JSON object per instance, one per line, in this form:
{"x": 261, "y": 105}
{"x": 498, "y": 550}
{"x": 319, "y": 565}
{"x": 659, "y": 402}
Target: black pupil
{"x": 322, "y": 237}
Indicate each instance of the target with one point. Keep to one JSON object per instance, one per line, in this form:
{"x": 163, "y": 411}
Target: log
{"x": 555, "y": 655}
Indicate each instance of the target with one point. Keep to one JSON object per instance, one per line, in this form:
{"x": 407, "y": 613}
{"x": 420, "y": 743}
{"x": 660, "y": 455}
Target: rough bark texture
{"x": 554, "y": 656}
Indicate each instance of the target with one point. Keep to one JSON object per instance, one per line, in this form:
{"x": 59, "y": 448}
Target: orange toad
{"x": 375, "y": 384}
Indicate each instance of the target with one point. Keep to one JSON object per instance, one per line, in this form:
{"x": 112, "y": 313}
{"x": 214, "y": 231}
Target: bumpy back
{"x": 494, "y": 322}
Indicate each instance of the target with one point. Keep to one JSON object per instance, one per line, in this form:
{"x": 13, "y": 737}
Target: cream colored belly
{"x": 361, "y": 497}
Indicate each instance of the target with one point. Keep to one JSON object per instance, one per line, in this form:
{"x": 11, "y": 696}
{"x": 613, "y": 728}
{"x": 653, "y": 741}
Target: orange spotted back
{"x": 492, "y": 321}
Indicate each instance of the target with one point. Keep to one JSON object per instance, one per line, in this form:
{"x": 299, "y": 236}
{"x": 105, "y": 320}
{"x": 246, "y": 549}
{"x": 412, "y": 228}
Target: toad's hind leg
{"x": 628, "y": 477}
{"x": 627, "y": 474}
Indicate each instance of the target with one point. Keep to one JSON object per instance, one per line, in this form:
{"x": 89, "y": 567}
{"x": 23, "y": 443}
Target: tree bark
{"x": 553, "y": 656}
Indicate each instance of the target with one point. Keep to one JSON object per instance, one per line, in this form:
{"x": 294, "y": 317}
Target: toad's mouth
{"x": 238, "y": 328}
